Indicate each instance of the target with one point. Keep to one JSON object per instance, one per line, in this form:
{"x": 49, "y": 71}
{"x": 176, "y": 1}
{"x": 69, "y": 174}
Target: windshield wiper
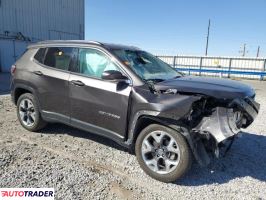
{"x": 155, "y": 80}
{"x": 178, "y": 76}
{"x": 150, "y": 84}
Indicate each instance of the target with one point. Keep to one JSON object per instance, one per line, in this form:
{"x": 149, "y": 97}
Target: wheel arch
{"x": 196, "y": 146}
{"x": 22, "y": 89}
{"x": 146, "y": 120}
{"x": 19, "y": 90}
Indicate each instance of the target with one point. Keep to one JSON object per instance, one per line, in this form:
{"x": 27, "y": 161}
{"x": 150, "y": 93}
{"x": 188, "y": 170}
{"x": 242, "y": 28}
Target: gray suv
{"x": 133, "y": 98}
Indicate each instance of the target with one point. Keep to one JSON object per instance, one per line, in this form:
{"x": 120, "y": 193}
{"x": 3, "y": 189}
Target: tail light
{"x": 13, "y": 69}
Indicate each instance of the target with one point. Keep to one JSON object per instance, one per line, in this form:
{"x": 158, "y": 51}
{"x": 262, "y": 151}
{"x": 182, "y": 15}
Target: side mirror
{"x": 113, "y": 75}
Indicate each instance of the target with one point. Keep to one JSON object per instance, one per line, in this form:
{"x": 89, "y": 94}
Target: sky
{"x": 180, "y": 26}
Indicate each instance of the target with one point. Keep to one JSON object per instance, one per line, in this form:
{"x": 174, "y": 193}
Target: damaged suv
{"x": 132, "y": 98}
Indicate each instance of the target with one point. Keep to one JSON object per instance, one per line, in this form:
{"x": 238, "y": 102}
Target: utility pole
{"x": 258, "y": 51}
{"x": 243, "y": 52}
{"x": 207, "y": 42}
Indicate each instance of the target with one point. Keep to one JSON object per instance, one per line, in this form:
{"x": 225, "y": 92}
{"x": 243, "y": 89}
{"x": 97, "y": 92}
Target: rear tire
{"x": 28, "y": 113}
{"x": 163, "y": 153}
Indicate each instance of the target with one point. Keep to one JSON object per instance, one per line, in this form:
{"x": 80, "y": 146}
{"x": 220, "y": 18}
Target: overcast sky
{"x": 179, "y": 26}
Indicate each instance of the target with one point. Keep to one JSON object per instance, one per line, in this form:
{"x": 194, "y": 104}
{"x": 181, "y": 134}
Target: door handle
{"x": 39, "y": 73}
{"x": 77, "y": 82}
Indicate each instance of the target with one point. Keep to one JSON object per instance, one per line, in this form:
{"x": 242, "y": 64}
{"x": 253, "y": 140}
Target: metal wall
{"x": 43, "y": 19}
{"x": 10, "y": 51}
{"x": 229, "y": 67}
{"x": 25, "y": 21}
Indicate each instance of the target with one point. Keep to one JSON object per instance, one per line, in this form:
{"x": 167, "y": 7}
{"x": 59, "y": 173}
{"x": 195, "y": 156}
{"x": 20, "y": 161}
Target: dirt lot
{"x": 80, "y": 165}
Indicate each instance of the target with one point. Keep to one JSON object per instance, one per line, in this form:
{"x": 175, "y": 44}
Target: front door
{"x": 96, "y": 104}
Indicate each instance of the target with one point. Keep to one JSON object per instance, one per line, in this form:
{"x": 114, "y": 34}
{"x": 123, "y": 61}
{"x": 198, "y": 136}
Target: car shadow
{"x": 64, "y": 129}
{"x": 246, "y": 158}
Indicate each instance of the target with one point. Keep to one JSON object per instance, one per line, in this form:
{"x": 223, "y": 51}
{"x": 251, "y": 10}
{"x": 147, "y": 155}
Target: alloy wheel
{"x": 27, "y": 112}
{"x": 160, "y": 152}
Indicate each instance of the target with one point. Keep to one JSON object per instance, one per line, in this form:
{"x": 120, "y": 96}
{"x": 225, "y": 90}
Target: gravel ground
{"x": 80, "y": 165}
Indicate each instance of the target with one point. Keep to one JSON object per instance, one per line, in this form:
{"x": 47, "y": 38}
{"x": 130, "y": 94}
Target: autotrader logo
{"x": 27, "y": 193}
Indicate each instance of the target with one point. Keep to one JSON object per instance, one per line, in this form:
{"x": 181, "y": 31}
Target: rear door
{"x": 96, "y": 104}
{"x": 51, "y": 75}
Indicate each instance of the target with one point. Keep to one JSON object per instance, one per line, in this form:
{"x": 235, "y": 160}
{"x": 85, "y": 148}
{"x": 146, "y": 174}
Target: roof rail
{"x": 95, "y": 42}
{"x": 69, "y": 41}
{"x": 45, "y": 42}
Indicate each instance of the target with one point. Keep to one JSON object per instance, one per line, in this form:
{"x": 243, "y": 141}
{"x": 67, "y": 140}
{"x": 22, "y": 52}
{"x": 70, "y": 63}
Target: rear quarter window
{"x": 58, "y": 57}
{"x": 39, "y": 56}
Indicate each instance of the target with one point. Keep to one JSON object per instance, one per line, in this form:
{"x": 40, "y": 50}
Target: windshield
{"x": 147, "y": 66}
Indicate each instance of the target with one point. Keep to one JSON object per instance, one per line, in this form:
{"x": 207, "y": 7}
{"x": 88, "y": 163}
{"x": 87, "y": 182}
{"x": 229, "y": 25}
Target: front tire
{"x": 28, "y": 113}
{"x": 163, "y": 153}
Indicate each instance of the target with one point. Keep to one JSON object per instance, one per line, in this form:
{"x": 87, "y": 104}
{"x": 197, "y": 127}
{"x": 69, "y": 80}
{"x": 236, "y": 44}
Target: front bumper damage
{"x": 219, "y": 128}
{"x": 219, "y": 124}
{"x": 224, "y": 122}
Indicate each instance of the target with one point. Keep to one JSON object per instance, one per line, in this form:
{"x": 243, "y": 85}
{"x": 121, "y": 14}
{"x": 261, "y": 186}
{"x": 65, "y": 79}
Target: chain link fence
{"x": 227, "y": 67}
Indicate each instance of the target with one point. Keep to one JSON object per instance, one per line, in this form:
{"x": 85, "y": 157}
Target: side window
{"x": 39, "y": 56}
{"x": 58, "y": 57}
{"x": 93, "y": 63}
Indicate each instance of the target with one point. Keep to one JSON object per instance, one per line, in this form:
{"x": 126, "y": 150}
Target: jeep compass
{"x": 133, "y": 98}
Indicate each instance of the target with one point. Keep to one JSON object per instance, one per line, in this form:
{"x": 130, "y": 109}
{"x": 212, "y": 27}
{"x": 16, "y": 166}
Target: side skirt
{"x": 55, "y": 117}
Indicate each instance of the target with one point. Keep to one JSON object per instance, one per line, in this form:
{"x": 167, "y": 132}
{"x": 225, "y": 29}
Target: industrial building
{"x": 26, "y": 21}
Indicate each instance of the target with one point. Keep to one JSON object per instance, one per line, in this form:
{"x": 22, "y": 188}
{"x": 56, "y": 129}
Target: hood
{"x": 215, "y": 87}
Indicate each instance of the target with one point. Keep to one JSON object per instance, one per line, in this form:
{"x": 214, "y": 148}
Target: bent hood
{"x": 215, "y": 87}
